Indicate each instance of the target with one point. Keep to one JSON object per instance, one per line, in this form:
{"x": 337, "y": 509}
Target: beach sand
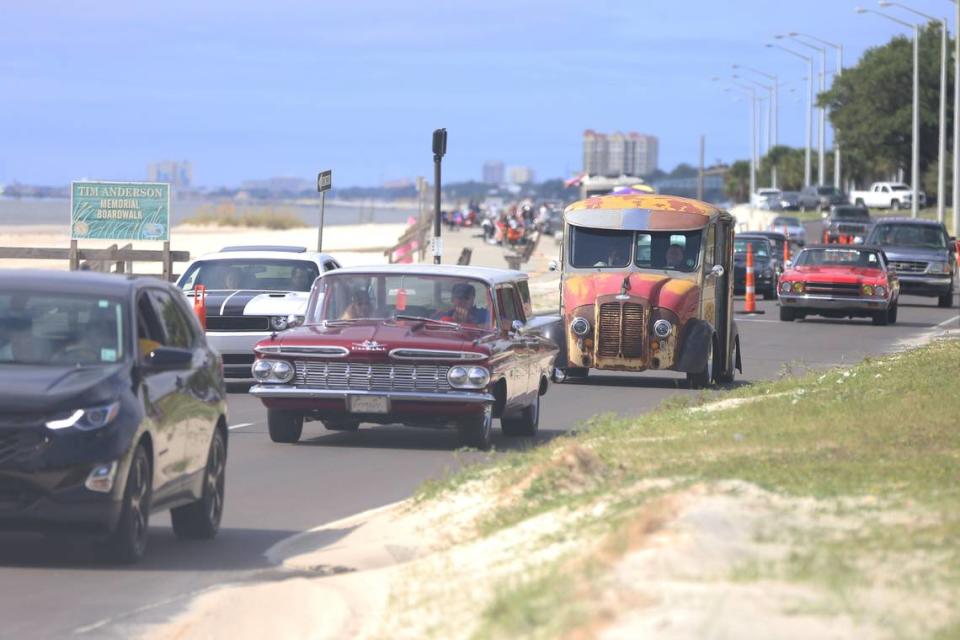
{"x": 349, "y": 244}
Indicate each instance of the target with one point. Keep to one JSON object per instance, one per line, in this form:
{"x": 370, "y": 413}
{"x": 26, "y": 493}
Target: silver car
{"x": 793, "y": 226}
{"x": 251, "y": 292}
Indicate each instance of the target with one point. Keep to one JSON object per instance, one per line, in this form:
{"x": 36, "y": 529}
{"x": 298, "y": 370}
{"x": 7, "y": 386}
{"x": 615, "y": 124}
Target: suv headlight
{"x": 938, "y": 267}
{"x": 87, "y": 419}
{"x": 272, "y": 371}
{"x": 468, "y": 377}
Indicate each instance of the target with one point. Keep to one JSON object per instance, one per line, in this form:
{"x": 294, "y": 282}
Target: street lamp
{"x": 839, "y": 72}
{"x": 809, "y": 61}
{"x": 770, "y": 91}
{"x": 942, "y": 143}
{"x": 821, "y": 112}
{"x": 753, "y": 131}
{"x": 915, "y": 155}
{"x": 774, "y": 125}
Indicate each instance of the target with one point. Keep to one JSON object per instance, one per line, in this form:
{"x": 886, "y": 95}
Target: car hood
{"x": 248, "y": 302}
{"x": 680, "y": 295}
{"x": 915, "y": 253}
{"x": 374, "y": 340}
{"x": 32, "y": 389}
{"x": 835, "y": 274}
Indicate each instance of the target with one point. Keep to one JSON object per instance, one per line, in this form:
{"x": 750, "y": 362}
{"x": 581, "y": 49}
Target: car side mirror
{"x": 553, "y": 266}
{"x": 168, "y": 359}
{"x": 717, "y": 270}
{"x": 517, "y": 327}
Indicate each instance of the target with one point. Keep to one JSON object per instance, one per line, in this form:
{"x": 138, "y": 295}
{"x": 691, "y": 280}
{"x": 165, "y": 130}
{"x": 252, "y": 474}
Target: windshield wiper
{"x": 445, "y": 323}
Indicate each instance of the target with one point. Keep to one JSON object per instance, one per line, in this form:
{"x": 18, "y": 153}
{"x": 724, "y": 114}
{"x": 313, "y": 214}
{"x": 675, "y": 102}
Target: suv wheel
{"x": 858, "y": 203}
{"x": 284, "y": 426}
{"x": 787, "y": 314}
{"x": 946, "y": 300}
{"x": 895, "y": 205}
{"x": 128, "y": 542}
{"x": 526, "y": 424}
{"x": 881, "y": 318}
{"x": 892, "y": 313}
{"x": 201, "y": 520}
{"x": 477, "y": 430}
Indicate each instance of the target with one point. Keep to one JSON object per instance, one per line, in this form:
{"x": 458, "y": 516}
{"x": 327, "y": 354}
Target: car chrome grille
{"x": 357, "y": 376}
{"x": 833, "y": 288}
{"x": 15, "y": 442}
{"x": 238, "y": 323}
{"x": 621, "y": 330}
{"x": 908, "y": 266}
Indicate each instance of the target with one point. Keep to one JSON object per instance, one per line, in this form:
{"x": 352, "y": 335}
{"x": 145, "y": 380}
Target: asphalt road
{"x": 54, "y": 588}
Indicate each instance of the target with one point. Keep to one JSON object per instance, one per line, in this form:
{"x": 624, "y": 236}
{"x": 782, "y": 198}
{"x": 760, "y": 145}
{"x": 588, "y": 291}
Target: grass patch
{"x": 259, "y": 217}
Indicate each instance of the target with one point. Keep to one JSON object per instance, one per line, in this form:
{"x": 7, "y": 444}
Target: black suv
{"x": 112, "y": 407}
{"x": 922, "y": 255}
{"x": 846, "y": 223}
{"x": 820, "y": 198}
{"x": 766, "y": 265}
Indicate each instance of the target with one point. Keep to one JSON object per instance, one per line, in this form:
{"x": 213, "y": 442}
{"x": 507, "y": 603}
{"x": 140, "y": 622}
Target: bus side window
{"x": 708, "y": 252}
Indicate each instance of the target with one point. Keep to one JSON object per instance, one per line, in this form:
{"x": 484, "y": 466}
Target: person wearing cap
{"x": 463, "y": 310}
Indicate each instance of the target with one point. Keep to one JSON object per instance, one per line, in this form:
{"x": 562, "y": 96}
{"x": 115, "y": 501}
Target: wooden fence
{"x": 112, "y": 259}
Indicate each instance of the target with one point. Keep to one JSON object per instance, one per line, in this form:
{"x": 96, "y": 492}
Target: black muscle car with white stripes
{"x": 251, "y": 293}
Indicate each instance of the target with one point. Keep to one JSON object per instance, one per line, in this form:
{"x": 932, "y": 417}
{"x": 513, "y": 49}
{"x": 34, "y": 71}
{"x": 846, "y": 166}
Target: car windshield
{"x": 790, "y": 222}
{"x": 256, "y": 274}
{"x": 922, "y": 236}
{"x": 352, "y": 297}
{"x": 674, "y": 250}
{"x": 42, "y": 328}
{"x": 840, "y": 257}
{"x": 761, "y": 247}
{"x": 600, "y": 247}
{"x": 851, "y": 213}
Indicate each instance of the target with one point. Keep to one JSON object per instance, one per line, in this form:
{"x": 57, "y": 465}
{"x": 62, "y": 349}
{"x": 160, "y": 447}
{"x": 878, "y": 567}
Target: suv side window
{"x": 176, "y": 327}
{"x": 509, "y": 309}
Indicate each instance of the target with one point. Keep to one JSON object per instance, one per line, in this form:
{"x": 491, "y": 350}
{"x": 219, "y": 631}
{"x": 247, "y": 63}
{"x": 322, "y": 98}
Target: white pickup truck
{"x": 886, "y": 195}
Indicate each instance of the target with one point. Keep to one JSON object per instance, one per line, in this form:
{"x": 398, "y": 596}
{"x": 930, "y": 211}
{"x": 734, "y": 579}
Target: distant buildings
{"x": 520, "y": 175}
{"x": 616, "y": 154}
{"x": 493, "y": 172}
{"x": 178, "y": 174}
{"x": 278, "y": 185}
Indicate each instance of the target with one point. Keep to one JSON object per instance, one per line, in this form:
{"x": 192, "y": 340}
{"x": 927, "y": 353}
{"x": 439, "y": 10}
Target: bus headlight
{"x": 662, "y": 328}
{"x": 580, "y": 326}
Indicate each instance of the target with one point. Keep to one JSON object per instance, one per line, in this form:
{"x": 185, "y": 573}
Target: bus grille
{"x": 622, "y": 330}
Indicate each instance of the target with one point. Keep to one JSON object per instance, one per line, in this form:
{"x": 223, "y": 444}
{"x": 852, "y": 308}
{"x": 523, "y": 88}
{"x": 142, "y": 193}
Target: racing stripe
{"x": 235, "y": 304}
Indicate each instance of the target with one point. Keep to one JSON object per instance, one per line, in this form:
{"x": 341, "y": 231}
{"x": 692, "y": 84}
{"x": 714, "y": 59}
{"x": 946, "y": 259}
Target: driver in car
{"x": 674, "y": 256}
{"x": 463, "y": 310}
{"x": 300, "y": 279}
{"x": 359, "y": 307}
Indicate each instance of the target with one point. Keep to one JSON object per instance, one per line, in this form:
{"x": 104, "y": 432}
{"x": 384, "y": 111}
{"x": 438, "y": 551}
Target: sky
{"x": 99, "y": 89}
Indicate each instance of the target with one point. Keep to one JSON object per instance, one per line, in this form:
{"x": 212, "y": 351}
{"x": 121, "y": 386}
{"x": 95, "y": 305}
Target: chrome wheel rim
{"x": 215, "y": 482}
{"x": 139, "y": 500}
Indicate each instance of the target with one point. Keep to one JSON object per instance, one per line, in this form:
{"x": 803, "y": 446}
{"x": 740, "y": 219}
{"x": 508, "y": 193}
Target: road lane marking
{"x": 240, "y": 426}
{"x": 947, "y": 321}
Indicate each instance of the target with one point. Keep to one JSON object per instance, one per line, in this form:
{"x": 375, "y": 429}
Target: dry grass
{"x": 226, "y": 215}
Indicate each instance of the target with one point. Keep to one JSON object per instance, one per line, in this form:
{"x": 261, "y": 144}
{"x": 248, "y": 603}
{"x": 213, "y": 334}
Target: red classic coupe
{"x": 426, "y": 346}
{"x": 838, "y": 282}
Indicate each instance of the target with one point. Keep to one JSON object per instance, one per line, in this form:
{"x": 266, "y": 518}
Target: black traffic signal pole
{"x": 439, "y": 149}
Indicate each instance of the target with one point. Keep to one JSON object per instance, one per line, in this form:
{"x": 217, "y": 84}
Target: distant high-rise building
{"x": 178, "y": 174}
{"x": 616, "y": 154}
{"x": 493, "y": 172}
{"x": 521, "y": 175}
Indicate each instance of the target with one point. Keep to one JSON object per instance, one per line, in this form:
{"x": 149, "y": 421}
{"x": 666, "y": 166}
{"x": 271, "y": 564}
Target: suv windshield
{"x": 851, "y": 213}
{"x": 60, "y": 329}
{"x": 761, "y": 247}
{"x": 255, "y": 274}
{"x": 350, "y": 297}
{"x": 923, "y": 236}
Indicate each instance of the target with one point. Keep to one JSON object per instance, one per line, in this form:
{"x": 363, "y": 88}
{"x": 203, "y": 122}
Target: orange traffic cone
{"x": 786, "y": 247}
{"x": 200, "y": 304}
{"x": 750, "y": 305}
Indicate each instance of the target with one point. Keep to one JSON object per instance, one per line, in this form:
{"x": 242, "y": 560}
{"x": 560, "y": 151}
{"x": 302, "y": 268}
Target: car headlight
{"x": 87, "y": 419}
{"x": 867, "y": 290}
{"x": 662, "y": 328}
{"x": 785, "y": 287}
{"x": 938, "y": 267}
{"x": 278, "y": 323}
{"x": 273, "y": 371}
{"x": 880, "y": 290}
{"x": 580, "y": 326}
{"x": 468, "y": 378}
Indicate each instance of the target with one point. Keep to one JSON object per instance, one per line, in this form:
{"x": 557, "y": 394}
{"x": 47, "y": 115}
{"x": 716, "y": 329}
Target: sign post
{"x": 324, "y": 182}
{"x": 439, "y": 149}
{"x": 120, "y": 211}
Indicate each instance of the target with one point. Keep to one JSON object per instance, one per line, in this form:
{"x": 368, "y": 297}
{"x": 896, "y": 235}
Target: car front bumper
{"x": 236, "y": 348}
{"x": 309, "y": 393}
{"x": 833, "y": 303}
{"x": 57, "y": 500}
{"x": 925, "y": 285}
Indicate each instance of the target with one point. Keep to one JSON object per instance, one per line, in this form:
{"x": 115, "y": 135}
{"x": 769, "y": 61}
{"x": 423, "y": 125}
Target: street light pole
{"x": 753, "y": 130}
{"x": 915, "y": 150}
{"x": 821, "y": 112}
{"x": 774, "y": 125}
{"x": 942, "y": 141}
{"x": 809, "y": 60}
{"x": 770, "y": 90}
{"x": 956, "y": 122}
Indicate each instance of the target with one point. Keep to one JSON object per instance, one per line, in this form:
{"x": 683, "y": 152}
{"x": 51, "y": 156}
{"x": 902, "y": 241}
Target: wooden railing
{"x": 111, "y": 259}
{"x": 414, "y": 239}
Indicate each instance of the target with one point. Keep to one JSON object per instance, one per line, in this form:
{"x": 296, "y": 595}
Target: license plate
{"x": 369, "y": 404}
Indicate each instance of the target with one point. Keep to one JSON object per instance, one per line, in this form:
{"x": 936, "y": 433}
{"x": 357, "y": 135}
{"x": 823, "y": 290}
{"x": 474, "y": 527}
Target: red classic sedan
{"x": 426, "y": 346}
{"x": 839, "y": 282}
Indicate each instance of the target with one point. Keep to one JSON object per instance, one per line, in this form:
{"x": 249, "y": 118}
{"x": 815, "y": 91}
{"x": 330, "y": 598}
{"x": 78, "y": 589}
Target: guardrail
{"x": 119, "y": 259}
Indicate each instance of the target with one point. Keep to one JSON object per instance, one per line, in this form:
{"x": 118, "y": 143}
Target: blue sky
{"x": 252, "y": 90}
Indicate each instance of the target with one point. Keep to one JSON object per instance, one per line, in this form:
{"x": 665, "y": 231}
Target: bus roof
{"x": 641, "y": 212}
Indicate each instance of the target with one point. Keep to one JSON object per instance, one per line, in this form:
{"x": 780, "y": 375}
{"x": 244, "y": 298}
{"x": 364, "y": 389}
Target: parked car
{"x": 790, "y": 201}
{"x": 646, "y": 285}
{"x": 794, "y": 228}
{"x": 779, "y": 241}
{"x": 846, "y": 223}
{"x": 820, "y": 198}
{"x": 112, "y": 408}
{"x": 764, "y": 197}
{"x": 764, "y": 264}
{"x": 887, "y": 195}
{"x": 921, "y": 253}
{"x": 839, "y": 282}
{"x": 251, "y": 292}
{"x": 428, "y": 346}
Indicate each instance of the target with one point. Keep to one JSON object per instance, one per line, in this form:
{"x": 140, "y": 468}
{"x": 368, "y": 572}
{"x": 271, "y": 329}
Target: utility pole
{"x": 439, "y": 150}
